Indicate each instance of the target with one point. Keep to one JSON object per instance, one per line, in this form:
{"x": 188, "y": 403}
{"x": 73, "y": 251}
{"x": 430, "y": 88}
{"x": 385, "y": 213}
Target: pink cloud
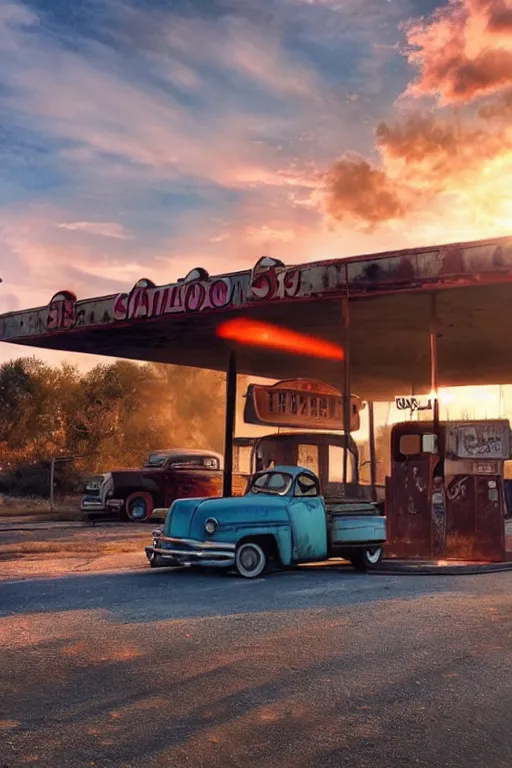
{"x": 102, "y": 228}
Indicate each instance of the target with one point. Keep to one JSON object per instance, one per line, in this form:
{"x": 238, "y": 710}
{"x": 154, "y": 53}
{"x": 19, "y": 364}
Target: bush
{"x": 34, "y": 480}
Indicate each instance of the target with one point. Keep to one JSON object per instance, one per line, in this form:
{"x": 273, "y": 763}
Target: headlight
{"x": 211, "y": 525}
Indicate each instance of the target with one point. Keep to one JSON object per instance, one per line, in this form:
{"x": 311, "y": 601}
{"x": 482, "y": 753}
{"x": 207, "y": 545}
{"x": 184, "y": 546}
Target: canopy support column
{"x": 371, "y": 445}
{"x": 347, "y": 386}
{"x": 229, "y": 425}
{"x": 434, "y": 366}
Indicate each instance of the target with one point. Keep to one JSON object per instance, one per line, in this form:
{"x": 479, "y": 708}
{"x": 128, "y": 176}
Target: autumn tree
{"x": 112, "y": 416}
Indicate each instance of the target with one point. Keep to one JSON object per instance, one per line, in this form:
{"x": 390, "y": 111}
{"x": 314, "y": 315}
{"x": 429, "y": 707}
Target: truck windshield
{"x": 276, "y": 483}
{"x": 177, "y": 461}
{"x": 156, "y": 459}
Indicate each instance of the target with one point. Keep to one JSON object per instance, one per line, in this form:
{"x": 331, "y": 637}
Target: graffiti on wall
{"x": 61, "y": 312}
{"x": 271, "y": 280}
{"x": 65, "y": 313}
{"x": 191, "y": 295}
{"x": 485, "y": 439}
{"x": 457, "y": 488}
{"x": 413, "y": 404}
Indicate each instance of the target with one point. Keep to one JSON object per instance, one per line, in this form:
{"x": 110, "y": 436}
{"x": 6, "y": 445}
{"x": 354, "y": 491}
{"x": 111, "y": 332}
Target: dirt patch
{"x": 66, "y": 548}
{"x": 39, "y": 550}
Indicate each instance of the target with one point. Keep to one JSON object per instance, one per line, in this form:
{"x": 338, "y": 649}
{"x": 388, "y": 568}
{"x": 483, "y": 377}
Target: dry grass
{"x": 69, "y": 548}
{"x": 39, "y": 509}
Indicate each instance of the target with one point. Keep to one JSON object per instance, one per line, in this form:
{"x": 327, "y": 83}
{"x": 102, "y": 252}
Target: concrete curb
{"x": 425, "y": 569}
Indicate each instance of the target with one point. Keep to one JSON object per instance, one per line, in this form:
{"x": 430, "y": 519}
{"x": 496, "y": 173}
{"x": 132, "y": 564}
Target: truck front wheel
{"x": 139, "y": 506}
{"x": 366, "y": 558}
{"x": 250, "y": 560}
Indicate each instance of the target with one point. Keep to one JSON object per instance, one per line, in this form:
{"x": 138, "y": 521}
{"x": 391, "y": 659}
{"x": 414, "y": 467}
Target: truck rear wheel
{"x": 138, "y": 506}
{"x": 366, "y": 558}
{"x": 250, "y": 560}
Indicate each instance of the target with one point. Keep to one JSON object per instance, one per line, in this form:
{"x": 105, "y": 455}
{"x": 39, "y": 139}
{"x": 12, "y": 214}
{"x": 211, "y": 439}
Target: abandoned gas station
{"x": 394, "y": 323}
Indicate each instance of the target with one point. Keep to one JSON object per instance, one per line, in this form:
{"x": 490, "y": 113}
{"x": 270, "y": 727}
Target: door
{"x": 307, "y": 517}
{"x": 409, "y": 506}
{"x": 490, "y": 529}
{"x": 475, "y": 518}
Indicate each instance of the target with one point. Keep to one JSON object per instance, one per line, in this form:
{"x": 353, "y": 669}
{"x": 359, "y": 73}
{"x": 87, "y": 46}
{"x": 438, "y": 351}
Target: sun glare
{"x": 258, "y": 334}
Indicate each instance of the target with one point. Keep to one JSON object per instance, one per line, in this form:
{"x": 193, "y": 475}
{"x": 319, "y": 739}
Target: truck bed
{"x": 354, "y": 521}
{"x": 350, "y": 507}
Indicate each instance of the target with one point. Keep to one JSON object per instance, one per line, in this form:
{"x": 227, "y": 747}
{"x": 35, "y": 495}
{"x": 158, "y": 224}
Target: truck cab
{"x": 321, "y": 452}
{"x": 136, "y": 495}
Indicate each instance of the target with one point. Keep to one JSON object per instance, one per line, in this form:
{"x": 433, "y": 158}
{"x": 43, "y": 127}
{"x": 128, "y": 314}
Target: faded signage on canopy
{"x": 301, "y": 404}
{"x": 198, "y": 292}
{"x": 61, "y": 312}
{"x": 480, "y": 440}
{"x": 195, "y": 293}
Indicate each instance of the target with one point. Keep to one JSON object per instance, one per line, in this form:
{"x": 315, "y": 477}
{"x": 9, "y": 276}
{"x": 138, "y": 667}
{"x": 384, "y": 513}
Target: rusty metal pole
{"x": 346, "y": 382}
{"x": 371, "y": 445}
{"x": 229, "y": 425}
{"x": 52, "y": 485}
{"x": 434, "y": 365}
{"x": 434, "y": 378}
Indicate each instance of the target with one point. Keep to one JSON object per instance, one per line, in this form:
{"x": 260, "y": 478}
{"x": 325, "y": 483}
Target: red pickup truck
{"x": 136, "y": 495}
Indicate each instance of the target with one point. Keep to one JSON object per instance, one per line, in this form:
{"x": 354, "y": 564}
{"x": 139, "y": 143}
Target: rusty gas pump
{"x": 445, "y": 496}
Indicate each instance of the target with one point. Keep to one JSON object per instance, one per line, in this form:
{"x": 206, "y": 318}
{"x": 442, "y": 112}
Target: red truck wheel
{"x": 139, "y": 506}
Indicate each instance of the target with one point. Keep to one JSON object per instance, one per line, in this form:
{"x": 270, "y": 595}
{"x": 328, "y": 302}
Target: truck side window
{"x": 336, "y": 465}
{"x": 306, "y": 486}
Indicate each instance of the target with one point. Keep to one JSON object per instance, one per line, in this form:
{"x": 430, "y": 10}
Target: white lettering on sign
{"x": 489, "y": 468}
{"x": 413, "y": 404}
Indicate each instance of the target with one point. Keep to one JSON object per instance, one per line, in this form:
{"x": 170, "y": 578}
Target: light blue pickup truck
{"x": 281, "y": 520}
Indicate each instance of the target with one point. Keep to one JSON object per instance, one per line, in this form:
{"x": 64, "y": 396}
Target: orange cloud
{"x": 463, "y": 52}
{"x": 357, "y": 189}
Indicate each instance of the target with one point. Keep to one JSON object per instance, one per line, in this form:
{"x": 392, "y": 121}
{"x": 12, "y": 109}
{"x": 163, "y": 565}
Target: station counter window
{"x": 411, "y": 444}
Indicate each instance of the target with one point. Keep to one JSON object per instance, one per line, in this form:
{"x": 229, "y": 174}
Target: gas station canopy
{"x": 461, "y": 292}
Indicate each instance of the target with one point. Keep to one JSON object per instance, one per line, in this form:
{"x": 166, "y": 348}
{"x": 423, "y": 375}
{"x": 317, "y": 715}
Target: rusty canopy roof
{"x": 393, "y": 298}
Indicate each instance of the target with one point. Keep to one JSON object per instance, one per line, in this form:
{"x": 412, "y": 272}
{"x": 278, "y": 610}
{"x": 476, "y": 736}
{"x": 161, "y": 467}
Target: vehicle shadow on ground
{"x": 173, "y": 594}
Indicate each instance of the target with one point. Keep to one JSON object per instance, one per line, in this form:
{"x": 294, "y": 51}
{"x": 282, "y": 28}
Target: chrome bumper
{"x": 171, "y": 551}
{"x": 112, "y": 506}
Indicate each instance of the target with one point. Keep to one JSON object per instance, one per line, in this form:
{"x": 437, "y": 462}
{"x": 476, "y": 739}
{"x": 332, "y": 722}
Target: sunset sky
{"x": 141, "y": 139}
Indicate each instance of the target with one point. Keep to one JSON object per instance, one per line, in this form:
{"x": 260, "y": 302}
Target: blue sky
{"x": 141, "y": 139}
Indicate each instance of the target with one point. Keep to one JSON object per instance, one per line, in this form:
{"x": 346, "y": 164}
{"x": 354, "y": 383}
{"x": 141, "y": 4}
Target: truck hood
{"x": 187, "y": 516}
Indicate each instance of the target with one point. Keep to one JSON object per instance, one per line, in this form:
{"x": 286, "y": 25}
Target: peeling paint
{"x": 270, "y": 281}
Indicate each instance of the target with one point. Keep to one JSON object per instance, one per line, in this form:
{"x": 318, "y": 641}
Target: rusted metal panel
{"x": 460, "y": 516}
{"x": 408, "y": 510}
{"x": 270, "y": 282}
{"x": 475, "y": 518}
{"x": 489, "y": 519}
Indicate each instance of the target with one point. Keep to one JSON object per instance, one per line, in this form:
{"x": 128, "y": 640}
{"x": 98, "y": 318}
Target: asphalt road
{"x": 312, "y": 668}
